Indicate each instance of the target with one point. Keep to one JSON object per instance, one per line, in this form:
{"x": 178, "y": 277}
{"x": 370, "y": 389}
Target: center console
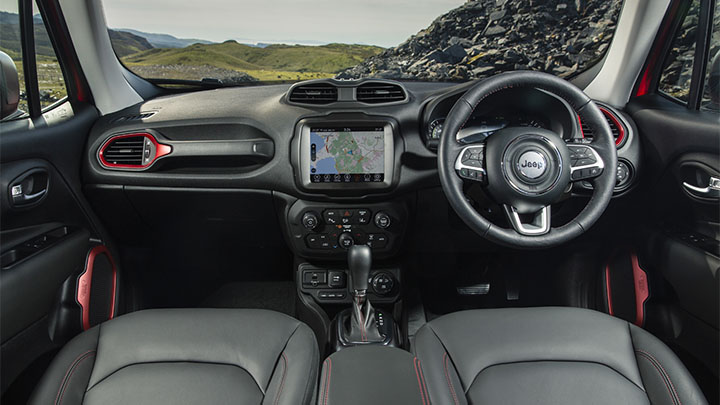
{"x": 372, "y": 375}
{"x": 346, "y": 161}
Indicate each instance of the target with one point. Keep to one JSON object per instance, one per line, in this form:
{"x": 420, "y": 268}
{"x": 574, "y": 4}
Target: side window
{"x": 44, "y": 86}
{"x": 678, "y": 68}
{"x": 10, "y": 43}
{"x": 711, "y": 88}
{"x": 51, "y": 83}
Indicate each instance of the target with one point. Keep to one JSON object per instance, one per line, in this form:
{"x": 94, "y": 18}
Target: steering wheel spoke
{"x": 585, "y": 162}
{"x": 470, "y": 163}
{"x": 539, "y": 225}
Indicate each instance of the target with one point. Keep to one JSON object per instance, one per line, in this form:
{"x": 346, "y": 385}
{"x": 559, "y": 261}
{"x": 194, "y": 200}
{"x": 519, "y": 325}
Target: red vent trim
{"x": 160, "y": 151}
{"x": 618, "y": 124}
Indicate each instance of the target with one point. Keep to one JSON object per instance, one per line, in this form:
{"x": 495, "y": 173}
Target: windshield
{"x": 257, "y": 41}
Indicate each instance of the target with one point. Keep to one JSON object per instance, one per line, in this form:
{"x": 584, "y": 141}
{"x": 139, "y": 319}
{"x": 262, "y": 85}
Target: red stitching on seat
{"x": 327, "y": 380}
{"x": 422, "y": 377}
{"x": 420, "y": 386}
{"x": 671, "y": 388}
{"x": 447, "y": 377}
{"x": 69, "y": 373}
{"x": 282, "y": 382}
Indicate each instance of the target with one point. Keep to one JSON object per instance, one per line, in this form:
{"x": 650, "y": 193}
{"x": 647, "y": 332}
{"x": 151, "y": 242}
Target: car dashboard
{"x": 274, "y": 142}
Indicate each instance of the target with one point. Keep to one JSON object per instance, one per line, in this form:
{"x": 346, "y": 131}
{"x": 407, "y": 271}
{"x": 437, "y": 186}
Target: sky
{"x": 375, "y": 22}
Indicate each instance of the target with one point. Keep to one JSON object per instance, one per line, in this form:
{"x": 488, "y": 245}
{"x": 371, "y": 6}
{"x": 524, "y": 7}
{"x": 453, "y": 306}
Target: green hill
{"x": 230, "y": 55}
{"x": 126, "y": 43}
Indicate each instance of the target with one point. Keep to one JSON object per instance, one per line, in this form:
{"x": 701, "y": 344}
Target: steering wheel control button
{"x": 532, "y": 164}
{"x": 470, "y": 163}
{"x": 382, "y": 220}
{"x": 310, "y": 220}
{"x": 345, "y": 240}
{"x": 382, "y": 283}
{"x": 586, "y": 173}
{"x": 586, "y": 163}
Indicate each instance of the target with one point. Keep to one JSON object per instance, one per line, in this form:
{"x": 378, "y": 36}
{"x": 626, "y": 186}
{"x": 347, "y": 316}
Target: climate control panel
{"x": 320, "y": 229}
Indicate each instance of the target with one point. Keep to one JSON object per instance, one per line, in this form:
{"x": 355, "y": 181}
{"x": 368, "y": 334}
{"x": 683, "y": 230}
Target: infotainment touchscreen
{"x": 347, "y": 155}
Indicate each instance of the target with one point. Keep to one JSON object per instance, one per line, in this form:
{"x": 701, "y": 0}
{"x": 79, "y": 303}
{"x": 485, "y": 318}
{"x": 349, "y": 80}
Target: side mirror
{"x": 9, "y": 86}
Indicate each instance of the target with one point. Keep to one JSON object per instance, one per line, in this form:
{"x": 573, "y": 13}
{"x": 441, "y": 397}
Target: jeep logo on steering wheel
{"x": 531, "y": 164}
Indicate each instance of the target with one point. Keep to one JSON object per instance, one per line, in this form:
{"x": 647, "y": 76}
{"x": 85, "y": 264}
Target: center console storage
{"x": 372, "y": 375}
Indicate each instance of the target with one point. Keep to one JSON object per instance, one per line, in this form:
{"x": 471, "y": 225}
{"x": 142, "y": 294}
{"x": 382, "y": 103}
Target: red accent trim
{"x": 642, "y": 292}
{"x": 621, "y": 128}
{"x": 85, "y": 281}
{"x": 417, "y": 374}
{"x": 607, "y": 289}
{"x": 646, "y": 77}
{"x": 160, "y": 150}
{"x": 447, "y": 377}
{"x": 581, "y": 130}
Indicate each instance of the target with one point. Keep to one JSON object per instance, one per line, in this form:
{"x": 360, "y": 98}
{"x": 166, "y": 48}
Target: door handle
{"x": 29, "y": 188}
{"x": 712, "y": 190}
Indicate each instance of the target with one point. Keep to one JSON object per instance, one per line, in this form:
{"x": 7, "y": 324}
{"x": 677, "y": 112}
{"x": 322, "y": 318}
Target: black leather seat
{"x": 548, "y": 356}
{"x": 186, "y": 356}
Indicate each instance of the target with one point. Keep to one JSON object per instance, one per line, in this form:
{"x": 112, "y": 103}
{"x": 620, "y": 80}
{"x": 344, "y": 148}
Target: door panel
{"x": 47, "y": 231}
{"x": 681, "y": 230}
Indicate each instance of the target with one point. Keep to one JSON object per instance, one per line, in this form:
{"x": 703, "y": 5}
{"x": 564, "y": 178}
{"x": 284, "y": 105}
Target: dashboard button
{"x": 332, "y": 217}
{"x": 382, "y": 283}
{"x": 337, "y": 279}
{"x": 315, "y": 278}
{"x": 313, "y": 241}
{"x": 377, "y": 240}
{"x": 363, "y": 216}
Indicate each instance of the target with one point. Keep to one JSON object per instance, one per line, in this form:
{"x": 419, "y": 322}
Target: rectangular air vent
{"x": 314, "y": 94}
{"x": 125, "y": 151}
{"x": 376, "y": 93}
{"x": 616, "y": 128}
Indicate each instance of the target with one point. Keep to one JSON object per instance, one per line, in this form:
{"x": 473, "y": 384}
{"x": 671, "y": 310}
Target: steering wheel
{"x": 526, "y": 169}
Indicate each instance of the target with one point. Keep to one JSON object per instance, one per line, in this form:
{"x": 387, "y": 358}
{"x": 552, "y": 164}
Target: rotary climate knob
{"x": 345, "y": 240}
{"x": 310, "y": 220}
{"x": 382, "y": 220}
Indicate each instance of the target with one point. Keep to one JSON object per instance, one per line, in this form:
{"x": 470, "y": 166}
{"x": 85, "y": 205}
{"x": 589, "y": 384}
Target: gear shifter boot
{"x": 362, "y": 325}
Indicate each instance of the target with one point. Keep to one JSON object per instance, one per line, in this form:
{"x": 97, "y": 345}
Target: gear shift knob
{"x": 359, "y": 262}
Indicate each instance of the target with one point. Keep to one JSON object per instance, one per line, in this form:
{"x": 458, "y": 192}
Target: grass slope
{"x": 281, "y": 58}
{"x": 126, "y": 43}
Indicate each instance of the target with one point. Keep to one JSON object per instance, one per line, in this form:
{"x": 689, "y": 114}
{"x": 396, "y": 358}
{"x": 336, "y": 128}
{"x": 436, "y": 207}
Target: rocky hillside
{"x": 484, "y": 37}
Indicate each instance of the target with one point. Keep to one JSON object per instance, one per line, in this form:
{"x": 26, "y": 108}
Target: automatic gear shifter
{"x": 361, "y": 326}
{"x": 359, "y": 262}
